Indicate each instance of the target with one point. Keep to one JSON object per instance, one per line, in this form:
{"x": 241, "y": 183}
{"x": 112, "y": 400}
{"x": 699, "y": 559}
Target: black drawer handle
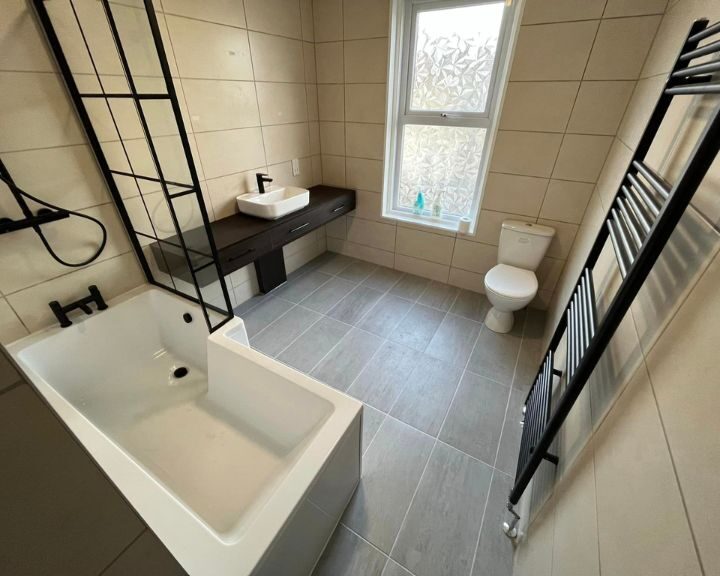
{"x": 338, "y": 208}
{"x": 238, "y": 256}
{"x": 299, "y": 227}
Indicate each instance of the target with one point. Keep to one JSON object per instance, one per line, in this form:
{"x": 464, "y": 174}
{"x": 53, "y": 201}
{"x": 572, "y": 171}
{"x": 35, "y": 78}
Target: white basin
{"x": 274, "y": 203}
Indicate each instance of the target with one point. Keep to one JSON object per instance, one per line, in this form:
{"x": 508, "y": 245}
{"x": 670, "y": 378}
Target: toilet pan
{"x": 508, "y": 289}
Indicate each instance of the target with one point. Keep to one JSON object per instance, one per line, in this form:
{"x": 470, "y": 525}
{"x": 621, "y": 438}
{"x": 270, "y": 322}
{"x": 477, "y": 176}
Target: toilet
{"x": 512, "y": 284}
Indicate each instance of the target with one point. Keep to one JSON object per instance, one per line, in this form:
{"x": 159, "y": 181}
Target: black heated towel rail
{"x": 645, "y": 211}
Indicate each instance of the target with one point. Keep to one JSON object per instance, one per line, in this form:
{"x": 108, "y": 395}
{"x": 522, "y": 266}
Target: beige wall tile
{"x": 314, "y": 134}
{"x": 224, "y": 191}
{"x": 366, "y": 19}
{"x": 113, "y": 277}
{"x": 332, "y": 138}
{"x": 282, "y": 173}
{"x": 553, "y": 51}
{"x": 328, "y": 20}
{"x": 367, "y": 253}
{"x": 317, "y": 171}
{"x": 370, "y": 233}
{"x": 337, "y": 228}
{"x": 599, "y": 107}
{"x": 525, "y": 153}
{"x": 329, "y": 61}
{"x": 368, "y": 205}
{"x": 541, "y": 11}
{"x": 467, "y": 280}
{"x": 22, "y": 49}
{"x": 366, "y": 60}
{"x": 228, "y": 12}
{"x": 581, "y": 157}
{"x": 535, "y": 557}
{"x": 489, "y": 226}
{"x": 638, "y": 112}
{"x": 514, "y": 194}
{"x": 333, "y": 170}
{"x": 365, "y": 102}
{"x": 474, "y": 256}
{"x": 36, "y": 112}
{"x": 285, "y": 142}
{"x": 618, "y": 8}
{"x": 613, "y": 172}
{"x": 230, "y": 151}
{"x": 280, "y": 17}
{"x": 309, "y": 62}
{"x": 621, "y": 47}
{"x": 563, "y": 239}
{"x": 630, "y": 450}
{"x": 365, "y": 140}
{"x": 221, "y": 104}
{"x": 206, "y": 50}
{"x": 432, "y": 270}
{"x": 364, "y": 174}
{"x": 312, "y": 101}
{"x": 331, "y": 102}
{"x": 687, "y": 352}
{"x": 11, "y": 328}
{"x": 276, "y": 59}
{"x": 538, "y": 106}
{"x": 306, "y": 20}
{"x": 548, "y": 273}
{"x": 281, "y": 103}
{"x": 424, "y": 245}
{"x": 566, "y": 201}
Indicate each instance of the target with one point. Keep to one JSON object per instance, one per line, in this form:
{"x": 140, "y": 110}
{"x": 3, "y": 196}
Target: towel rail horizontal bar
{"x": 655, "y": 180}
{"x": 702, "y": 51}
{"x": 708, "y": 88}
{"x": 648, "y": 198}
{"x": 709, "y": 68}
{"x": 705, "y": 33}
{"x": 639, "y": 213}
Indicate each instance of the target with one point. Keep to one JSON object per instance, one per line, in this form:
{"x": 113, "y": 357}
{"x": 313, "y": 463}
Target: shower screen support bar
{"x": 644, "y": 213}
{"x": 208, "y": 253}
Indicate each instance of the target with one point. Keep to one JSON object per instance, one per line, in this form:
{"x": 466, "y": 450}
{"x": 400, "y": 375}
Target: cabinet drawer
{"x": 339, "y": 207}
{"x": 298, "y": 226}
{"x": 243, "y": 253}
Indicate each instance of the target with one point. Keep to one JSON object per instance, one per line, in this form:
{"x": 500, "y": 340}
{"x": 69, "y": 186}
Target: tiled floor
{"x": 442, "y": 398}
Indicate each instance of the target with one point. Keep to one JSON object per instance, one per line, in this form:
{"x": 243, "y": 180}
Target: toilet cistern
{"x": 511, "y": 284}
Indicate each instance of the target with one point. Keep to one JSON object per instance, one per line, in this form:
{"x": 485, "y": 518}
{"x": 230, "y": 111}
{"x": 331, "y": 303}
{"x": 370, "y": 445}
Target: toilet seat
{"x": 511, "y": 282}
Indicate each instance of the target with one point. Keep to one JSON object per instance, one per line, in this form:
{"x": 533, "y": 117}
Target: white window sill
{"x": 449, "y": 223}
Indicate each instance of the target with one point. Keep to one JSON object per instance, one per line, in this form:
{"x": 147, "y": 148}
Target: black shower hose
{"x": 38, "y": 230}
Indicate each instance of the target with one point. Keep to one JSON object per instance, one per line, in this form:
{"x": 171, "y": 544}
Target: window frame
{"x": 403, "y": 39}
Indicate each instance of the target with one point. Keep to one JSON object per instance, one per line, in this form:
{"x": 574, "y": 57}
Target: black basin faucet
{"x": 261, "y": 179}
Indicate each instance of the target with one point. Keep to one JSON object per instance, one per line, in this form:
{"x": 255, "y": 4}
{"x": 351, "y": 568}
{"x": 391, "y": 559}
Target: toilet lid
{"x": 511, "y": 282}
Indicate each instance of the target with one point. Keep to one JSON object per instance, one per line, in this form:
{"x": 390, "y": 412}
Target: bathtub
{"x": 240, "y": 464}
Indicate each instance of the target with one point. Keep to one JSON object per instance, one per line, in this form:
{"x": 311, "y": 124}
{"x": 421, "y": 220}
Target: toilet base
{"x": 499, "y": 321}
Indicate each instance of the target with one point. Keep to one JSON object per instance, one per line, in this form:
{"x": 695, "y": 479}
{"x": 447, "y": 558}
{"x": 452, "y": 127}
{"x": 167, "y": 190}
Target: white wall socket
{"x": 295, "y": 166}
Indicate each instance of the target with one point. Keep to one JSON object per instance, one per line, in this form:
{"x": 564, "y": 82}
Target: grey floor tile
{"x": 348, "y": 555}
{"x": 355, "y": 305}
{"x": 418, "y": 327}
{"x": 454, "y": 340}
{"x": 358, "y": 271}
{"x": 372, "y": 419}
{"x": 344, "y": 362}
{"x": 391, "y": 471}
{"x": 495, "y": 551}
{"x": 147, "y": 555}
{"x": 60, "y": 514}
{"x": 306, "y": 352}
{"x": 385, "y": 315}
{"x": 440, "y": 532}
{"x": 471, "y": 305}
{"x": 392, "y": 568}
{"x": 474, "y": 422}
{"x": 335, "y": 263}
{"x": 425, "y": 400}
{"x": 265, "y": 314}
{"x": 531, "y": 349}
{"x": 384, "y": 378}
{"x": 511, "y": 434}
{"x": 329, "y": 294}
{"x": 495, "y": 355}
{"x": 410, "y": 287}
{"x": 439, "y": 295}
{"x": 383, "y": 279}
{"x": 281, "y": 333}
{"x": 299, "y": 289}
{"x": 252, "y": 302}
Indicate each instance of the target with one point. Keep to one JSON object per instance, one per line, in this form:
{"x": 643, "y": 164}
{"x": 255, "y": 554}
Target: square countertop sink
{"x": 274, "y": 203}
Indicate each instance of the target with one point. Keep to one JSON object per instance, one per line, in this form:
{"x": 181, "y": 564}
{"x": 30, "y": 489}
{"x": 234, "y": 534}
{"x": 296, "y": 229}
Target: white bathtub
{"x": 243, "y": 466}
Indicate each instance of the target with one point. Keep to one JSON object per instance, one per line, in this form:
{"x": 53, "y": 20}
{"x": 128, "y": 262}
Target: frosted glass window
{"x": 454, "y": 57}
{"x": 443, "y": 163}
{"x": 448, "y": 63}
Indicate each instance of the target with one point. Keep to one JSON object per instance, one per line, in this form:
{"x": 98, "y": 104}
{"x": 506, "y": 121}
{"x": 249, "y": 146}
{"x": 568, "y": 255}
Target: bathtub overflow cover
{"x": 187, "y": 317}
{"x": 180, "y": 372}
